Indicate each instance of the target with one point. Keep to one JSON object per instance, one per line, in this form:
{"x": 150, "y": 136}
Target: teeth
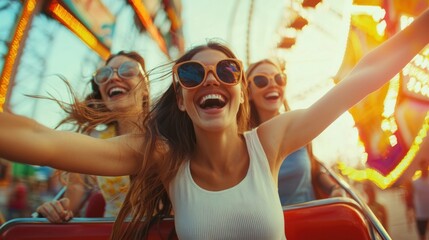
{"x": 212, "y": 96}
{"x": 272, "y": 94}
{"x": 117, "y": 90}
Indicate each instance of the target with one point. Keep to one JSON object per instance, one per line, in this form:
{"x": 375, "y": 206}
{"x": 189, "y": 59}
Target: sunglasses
{"x": 191, "y": 74}
{"x": 126, "y": 70}
{"x": 261, "y": 80}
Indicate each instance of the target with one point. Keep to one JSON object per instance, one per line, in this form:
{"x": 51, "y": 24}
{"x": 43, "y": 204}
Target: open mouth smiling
{"x": 116, "y": 91}
{"x": 272, "y": 96}
{"x": 212, "y": 101}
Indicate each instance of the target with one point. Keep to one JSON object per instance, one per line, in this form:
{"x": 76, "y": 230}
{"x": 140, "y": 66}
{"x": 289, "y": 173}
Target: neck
{"x": 126, "y": 126}
{"x": 218, "y": 150}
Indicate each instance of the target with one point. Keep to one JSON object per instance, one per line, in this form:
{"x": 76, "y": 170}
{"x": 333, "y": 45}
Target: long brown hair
{"x": 169, "y": 130}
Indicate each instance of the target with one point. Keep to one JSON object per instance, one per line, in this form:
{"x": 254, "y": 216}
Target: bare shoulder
{"x": 282, "y": 134}
{"x": 277, "y": 126}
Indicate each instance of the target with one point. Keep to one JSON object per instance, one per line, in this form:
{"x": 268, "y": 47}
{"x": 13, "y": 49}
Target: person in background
{"x": 300, "y": 175}
{"x": 17, "y": 204}
{"x": 417, "y": 199}
{"x": 196, "y": 154}
{"x": 377, "y": 208}
{"x": 5, "y": 185}
{"x": 121, "y": 86}
{"x": 5, "y": 172}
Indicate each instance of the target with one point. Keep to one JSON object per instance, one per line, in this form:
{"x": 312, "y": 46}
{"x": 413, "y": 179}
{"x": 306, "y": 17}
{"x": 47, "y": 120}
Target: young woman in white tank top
{"x": 195, "y": 147}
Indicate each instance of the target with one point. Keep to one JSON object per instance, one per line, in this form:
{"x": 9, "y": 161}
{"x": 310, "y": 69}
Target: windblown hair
{"x": 254, "y": 117}
{"x": 170, "y": 131}
{"x": 91, "y": 112}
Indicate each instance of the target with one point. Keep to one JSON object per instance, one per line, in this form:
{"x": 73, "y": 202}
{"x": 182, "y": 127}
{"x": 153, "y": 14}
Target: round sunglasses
{"x": 261, "y": 80}
{"x": 126, "y": 70}
{"x": 191, "y": 74}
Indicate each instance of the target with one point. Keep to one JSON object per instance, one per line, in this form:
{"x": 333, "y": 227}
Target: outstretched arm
{"x": 24, "y": 140}
{"x": 294, "y": 129}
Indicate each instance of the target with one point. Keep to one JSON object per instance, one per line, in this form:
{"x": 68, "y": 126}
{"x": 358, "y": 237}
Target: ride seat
{"x": 326, "y": 219}
{"x": 76, "y": 229}
{"x": 332, "y": 218}
{"x": 96, "y": 205}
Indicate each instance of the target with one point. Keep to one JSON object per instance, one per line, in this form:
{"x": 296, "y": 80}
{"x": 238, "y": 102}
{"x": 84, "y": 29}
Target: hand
{"x": 56, "y": 211}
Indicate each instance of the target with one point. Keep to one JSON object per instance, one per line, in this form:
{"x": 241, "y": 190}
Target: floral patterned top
{"x": 114, "y": 189}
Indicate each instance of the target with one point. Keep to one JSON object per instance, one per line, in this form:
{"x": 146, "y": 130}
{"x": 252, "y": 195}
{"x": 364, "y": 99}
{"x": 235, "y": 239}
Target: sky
{"x": 311, "y": 62}
{"x": 227, "y": 22}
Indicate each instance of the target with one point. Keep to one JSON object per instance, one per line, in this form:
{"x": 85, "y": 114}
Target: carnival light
{"x": 311, "y": 3}
{"x": 417, "y": 72}
{"x": 147, "y": 22}
{"x": 10, "y": 58}
{"x": 65, "y": 17}
{"x": 418, "y": 82}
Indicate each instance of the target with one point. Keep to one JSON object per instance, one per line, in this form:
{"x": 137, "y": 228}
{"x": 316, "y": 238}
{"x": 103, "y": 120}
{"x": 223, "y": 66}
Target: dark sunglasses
{"x": 191, "y": 74}
{"x": 261, "y": 80}
{"x": 126, "y": 70}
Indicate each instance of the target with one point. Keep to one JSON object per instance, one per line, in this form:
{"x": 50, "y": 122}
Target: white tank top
{"x": 249, "y": 210}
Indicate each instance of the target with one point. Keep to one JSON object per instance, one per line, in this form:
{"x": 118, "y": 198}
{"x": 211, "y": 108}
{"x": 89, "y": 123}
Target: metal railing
{"x": 367, "y": 212}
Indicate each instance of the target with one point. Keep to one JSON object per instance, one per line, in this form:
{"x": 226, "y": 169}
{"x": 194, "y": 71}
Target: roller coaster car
{"x": 332, "y": 218}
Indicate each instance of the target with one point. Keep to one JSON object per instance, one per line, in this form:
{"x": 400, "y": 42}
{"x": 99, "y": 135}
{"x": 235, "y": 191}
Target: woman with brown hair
{"x": 195, "y": 154}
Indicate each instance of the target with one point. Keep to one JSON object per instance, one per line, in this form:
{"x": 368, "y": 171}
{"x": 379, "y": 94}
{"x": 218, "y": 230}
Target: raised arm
{"x": 293, "y": 129}
{"x": 24, "y": 140}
